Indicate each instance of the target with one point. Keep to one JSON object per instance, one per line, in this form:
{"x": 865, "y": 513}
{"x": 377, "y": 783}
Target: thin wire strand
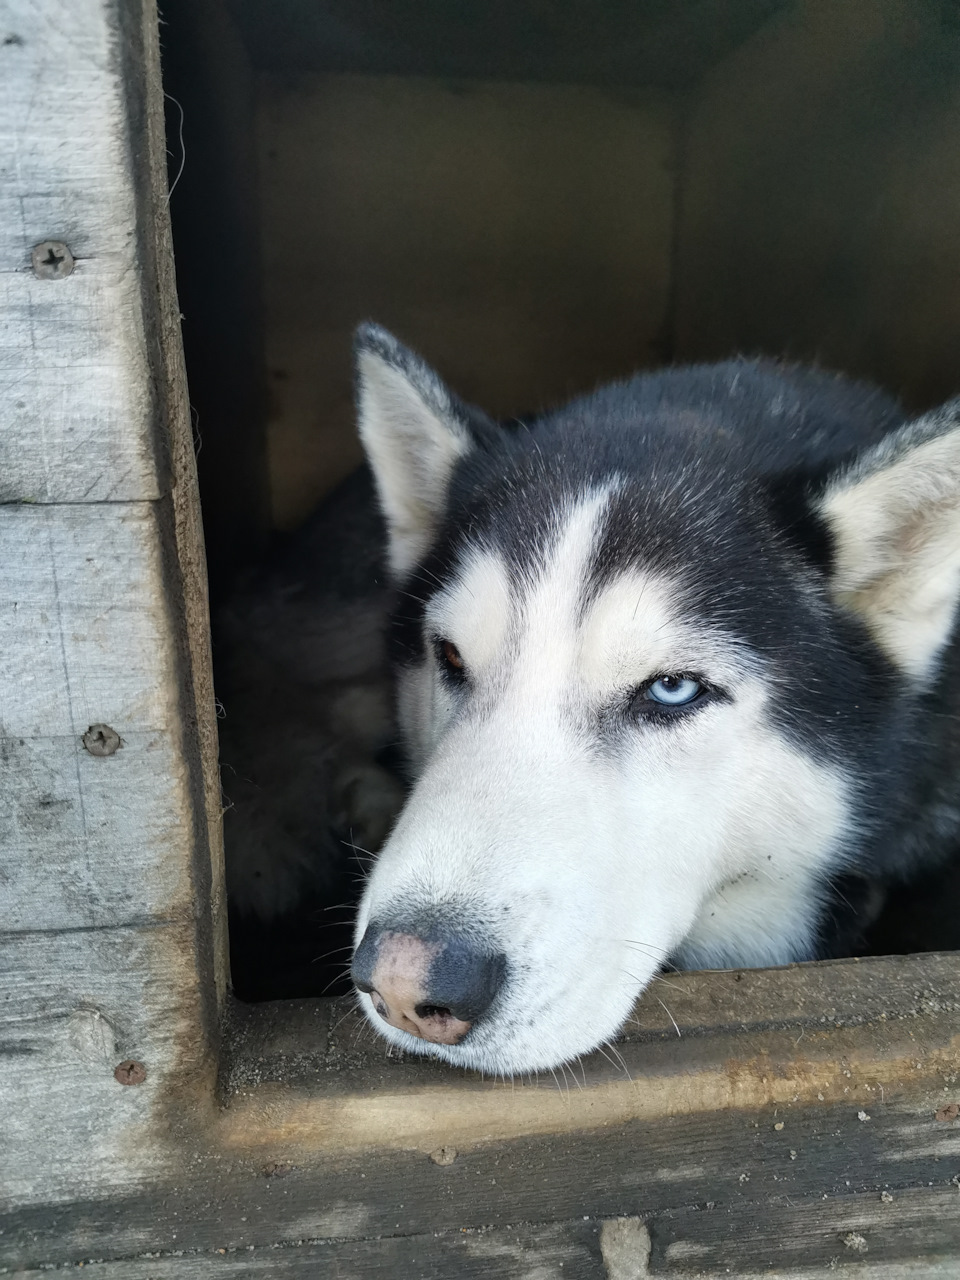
{"x": 183, "y": 149}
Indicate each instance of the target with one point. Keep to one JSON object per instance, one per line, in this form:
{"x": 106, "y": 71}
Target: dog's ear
{"x": 414, "y": 431}
{"x": 895, "y": 520}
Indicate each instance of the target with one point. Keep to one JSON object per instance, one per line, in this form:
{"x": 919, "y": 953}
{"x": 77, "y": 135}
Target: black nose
{"x": 434, "y": 987}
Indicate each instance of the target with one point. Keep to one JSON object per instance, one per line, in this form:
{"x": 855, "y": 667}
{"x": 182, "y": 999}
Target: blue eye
{"x": 673, "y": 691}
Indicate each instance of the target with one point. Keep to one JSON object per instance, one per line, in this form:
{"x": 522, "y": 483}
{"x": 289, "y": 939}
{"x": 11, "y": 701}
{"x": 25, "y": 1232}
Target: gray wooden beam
{"x": 74, "y": 365}
{"x": 825, "y": 1088}
{"x": 110, "y": 879}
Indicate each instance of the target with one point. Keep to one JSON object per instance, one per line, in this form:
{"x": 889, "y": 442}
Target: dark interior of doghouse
{"x": 538, "y": 196}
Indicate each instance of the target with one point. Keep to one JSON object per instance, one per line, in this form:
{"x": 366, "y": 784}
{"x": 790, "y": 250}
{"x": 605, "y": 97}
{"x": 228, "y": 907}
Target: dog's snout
{"x": 434, "y": 988}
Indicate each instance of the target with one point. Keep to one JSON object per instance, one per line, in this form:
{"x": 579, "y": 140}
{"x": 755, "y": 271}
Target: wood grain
{"x": 75, "y": 378}
{"x": 76, "y": 1004}
{"x": 794, "y": 1085}
{"x": 861, "y": 1035}
{"x": 567, "y": 1251}
{"x": 681, "y": 1179}
{"x": 85, "y": 638}
{"x": 816, "y": 211}
{"x": 84, "y": 633}
{"x": 584, "y": 1248}
{"x": 819, "y": 1232}
{"x": 109, "y": 867}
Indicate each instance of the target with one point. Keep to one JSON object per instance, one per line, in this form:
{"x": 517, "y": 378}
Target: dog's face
{"x": 620, "y": 691}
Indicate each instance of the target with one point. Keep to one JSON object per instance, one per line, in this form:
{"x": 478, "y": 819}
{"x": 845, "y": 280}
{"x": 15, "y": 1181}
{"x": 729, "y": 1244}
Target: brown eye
{"x": 451, "y": 663}
{"x": 451, "y": 655}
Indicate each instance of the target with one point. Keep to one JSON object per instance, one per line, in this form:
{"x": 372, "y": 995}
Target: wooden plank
{"x": 181, "y": 527}
{"x": 75, "y": 1005}
{"x": 854, "y": 1033}
{"x": 553, "y": 1252}
{"x": 585, "y": 1248}
{"x": 85, "y": 638}
{"x": 84, "y": 626}
{"x": 674, "y": 1172}
{"x": 74, "y": 361}
{"x": 821, "y": 171}
{"x": 815, "y": 1233}
{"x": 87, "y": 842}
{"x": 570, "y": 1251}
{"x": 527, "y": 288}
{"x": 902, "y": 1269}
{"x": 108, "y": 944}
{"x": 323, "y": 1135}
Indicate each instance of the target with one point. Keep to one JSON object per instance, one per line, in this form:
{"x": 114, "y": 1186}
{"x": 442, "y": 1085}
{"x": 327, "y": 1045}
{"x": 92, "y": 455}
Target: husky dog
{"x": 304, "y": 686}
{"x": 674, "y": 661}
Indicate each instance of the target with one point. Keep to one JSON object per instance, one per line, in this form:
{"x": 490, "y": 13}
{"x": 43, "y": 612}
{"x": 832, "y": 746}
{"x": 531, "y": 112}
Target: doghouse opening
{"x": 537, "y": 198}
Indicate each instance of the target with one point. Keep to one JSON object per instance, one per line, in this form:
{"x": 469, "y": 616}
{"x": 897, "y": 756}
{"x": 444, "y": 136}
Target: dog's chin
{"x": 504, "y": 1047}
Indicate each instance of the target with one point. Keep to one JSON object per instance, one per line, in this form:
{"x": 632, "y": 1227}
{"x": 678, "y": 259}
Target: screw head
{"x": 51, "y": 260}
{"x": 101, "y": 740}
{"x": 130, "y": 1072}
{"x": 444, "y": 1155}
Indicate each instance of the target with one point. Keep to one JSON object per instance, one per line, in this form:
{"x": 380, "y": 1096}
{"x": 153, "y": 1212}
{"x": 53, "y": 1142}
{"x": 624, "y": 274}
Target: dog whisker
{"x": 668, "y": 1013}
{"x": 614, "y": 1057}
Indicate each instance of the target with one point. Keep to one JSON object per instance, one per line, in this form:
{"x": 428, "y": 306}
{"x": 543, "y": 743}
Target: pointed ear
{"x": 895, "y": 520}
{"x": 414, "y": 432}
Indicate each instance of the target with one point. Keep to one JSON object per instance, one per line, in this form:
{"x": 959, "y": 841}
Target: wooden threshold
{"x": 796, "y": 1107}
{"x": 861, "y": 1034}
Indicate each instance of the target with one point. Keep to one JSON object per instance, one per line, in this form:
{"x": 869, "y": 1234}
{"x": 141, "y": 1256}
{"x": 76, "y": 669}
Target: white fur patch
{"x": 474, "y": 610}
{"x": 632, "y": 633}
{"x": 779, "y": 827}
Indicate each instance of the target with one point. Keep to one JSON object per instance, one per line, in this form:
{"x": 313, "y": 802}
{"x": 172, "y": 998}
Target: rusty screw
{"x": 101, "y": 740}
{"x": 130, "y": 1072}
{"x": 51, "y": 260}
{"x": 444, "y": 1155}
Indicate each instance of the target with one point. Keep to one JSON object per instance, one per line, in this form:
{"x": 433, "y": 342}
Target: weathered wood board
{"x": 79, "y": 423}
{"x": 85, "y": 638}
{"x": 797, "y": 1107}
{"x": 570, "y": 1251}
{"x": 75, "y": 1004}
{"x": 882, "y": 1037}
{"x": 586, "y": 1249}
{"x": 821, "y": 179}
{"x": 107, "y": 946}
{"x": 480, "y": 221}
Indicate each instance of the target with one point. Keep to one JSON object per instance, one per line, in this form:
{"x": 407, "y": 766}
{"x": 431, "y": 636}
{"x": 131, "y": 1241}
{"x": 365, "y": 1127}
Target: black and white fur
{"x": 306, "y": 706}
{"x": 780, "y": 536}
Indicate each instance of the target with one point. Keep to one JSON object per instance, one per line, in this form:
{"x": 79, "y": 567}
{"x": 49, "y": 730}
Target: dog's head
{"x": 637, "y": 655}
